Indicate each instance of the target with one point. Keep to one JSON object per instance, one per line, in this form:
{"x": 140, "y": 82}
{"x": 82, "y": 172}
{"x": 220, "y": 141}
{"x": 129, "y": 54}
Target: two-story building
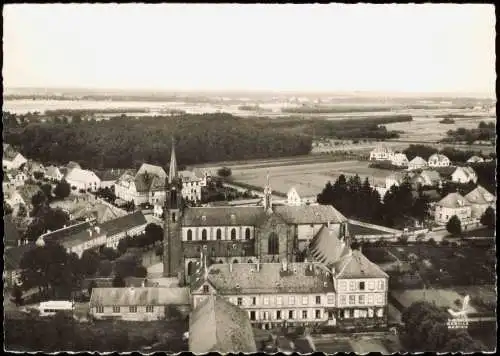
{"x": 399, "y": 160}
{"x": 381, "y": 153}
{"x": 452, "y": 204}
{"x": 128, "y": 225}
{"x": 438, "y": 160}
{"x": 11, "y": 159}
{"x": 417, "y": 163}
{"x": 464, "y": 175}
{"x": 294, "y": 199}
{"x": 146, "y": 186}
{"x": 54, "y": 174}
{"x": 17, "y": 177}
{"x": 192, "y": 185}
{"x": 481, "y": 199}
{"x": 83, "y": 179}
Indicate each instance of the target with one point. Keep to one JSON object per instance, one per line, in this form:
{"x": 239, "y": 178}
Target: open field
{"x": 440, "y": 297}
{"x": 308, "y": 179}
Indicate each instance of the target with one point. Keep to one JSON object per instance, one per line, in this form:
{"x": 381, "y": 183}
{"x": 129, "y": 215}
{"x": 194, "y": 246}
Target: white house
{"x": 381, "y": 153}
{"x": 192, "y": 185}
{"x": 147, "y": 186}
{"x": 464, "y": 175}
{"x": 438, "y": 160}
{"x": 152, "y": 170}
{"x": 475, "y": 159}
{"x": 83, "y": 179}
{"x": 17, "y": 177}
{"x": 53, "y": 173}
{"x": 453, "y": 204}
{"x": 12, "y": 159}
{"x": 417, "y": 163}
{"x": 294, "y": 199}
{"x": 480, "y": 199}
{"x": 400, "y": 160}
{"x": 13, "y": 198}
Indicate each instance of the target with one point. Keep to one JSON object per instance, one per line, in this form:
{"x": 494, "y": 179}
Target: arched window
{"x": 190, "y": 235}
{"x": 204, "y": 234}
{"x": 190, "y": 268}
{"x": 220, "y": 261}
{"x": 250, "y": 261}
{"x": 233, "y": 234}
{"x": 273, "y": 244}
{"x": 247, "y": 233}
{"x": 235, "y": 261}
{"x": 219, "y": 234}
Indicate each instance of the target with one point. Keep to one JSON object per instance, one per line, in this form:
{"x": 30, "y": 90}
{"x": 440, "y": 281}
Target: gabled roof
{"x": 188, "y": 176}
{"x": 113, "y": 174}
{"x": 157, "y": 184}
{"x": 432, "y": 175}
{"x": 356, "y": 265}
{"x": 67, "y": 232}
{"x": 382, "y": 149}
{"x": 445, "y": 172}
{"x": 223, "y": 216}
{"x": 418, "y": 160}
{"x": 453, "y": 200}
{"x": 326, "y": 247}
{"x": 474, "y": 159}
{"x": 439, "y": 157}
{"x": 310, "y": 214}
{"x": 81, "y": 175}
{"x": 52, "y": 171}
{"x": 153, "y": 170}
{"x": 217, "y": 325}
{"x": 306, "y": 277}
{"x": 480, "y": 196}
{"x": 156, "y": 296}
{"x": 9, "y": 153}
{"x": 400, "y": 155}
{"x": 72, "y": 164}
{"x": 123, "y": 223}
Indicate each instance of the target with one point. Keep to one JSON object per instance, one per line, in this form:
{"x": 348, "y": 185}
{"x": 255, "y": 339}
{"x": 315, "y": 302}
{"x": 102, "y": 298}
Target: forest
{"x": 127, "y": 142}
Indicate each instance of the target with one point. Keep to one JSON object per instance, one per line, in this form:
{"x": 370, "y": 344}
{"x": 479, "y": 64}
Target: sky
{"x": 322, "y": 48}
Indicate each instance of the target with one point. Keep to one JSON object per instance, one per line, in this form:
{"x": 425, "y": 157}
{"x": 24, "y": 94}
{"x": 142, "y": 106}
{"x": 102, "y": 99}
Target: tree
{"x": 224, "y": 172}
{"x": 109, "y": 253}
{"x": 38, "y": 175}
{"x": 47, "y": 190}
{"x": 153, "y": 233}
{"x": 38, "y": 199}
{"x": 7, "y": 209}
{"x": 105, "y": 268}
{"x": 22, "y": 212}
{"x": 62, "y": 189}
{"x": 118, "y": 282}
{"x": 488, "y": 219}
{"x": 17, "y": 293}
{"x": 89, "y": 262}
{"x": 454, "y": 226}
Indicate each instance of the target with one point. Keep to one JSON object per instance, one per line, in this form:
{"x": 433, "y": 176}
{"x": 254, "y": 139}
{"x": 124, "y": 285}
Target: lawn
{"x": 440, "y": 297}
{"x": 363, "y": 346}
{"x": 333, "y": 346}
{"x": 308, "y": 178}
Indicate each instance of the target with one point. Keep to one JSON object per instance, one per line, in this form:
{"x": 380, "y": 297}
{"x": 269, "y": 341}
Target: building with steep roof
{"x": 11, "y": 159}
{"x": 399, "y": 160}
{"x": 480, "y": 199}
{"x": 464, "y": 175}
{"x": 295, "y": 199}
{"x": 53, "y": 173}
{"x": 475, "y": 159}
{"x": 83, "y": 179}
{"x": 381, "y": 153}
{"x": 453, "y": 204}
{"x": 417, "y": 163}
{"x": 438, "y": 160}
{"x": 217, "y": 325}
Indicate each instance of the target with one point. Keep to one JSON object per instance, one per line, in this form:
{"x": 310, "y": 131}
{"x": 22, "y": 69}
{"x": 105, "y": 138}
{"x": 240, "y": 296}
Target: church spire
{"x": 268, "y": 204}
{"x": 173, "y": 164}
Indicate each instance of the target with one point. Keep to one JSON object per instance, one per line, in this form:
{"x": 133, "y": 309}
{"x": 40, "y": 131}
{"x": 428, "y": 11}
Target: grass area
{"x": 333, "y": 346}
{"x": 440, "y": 297}
{"x": 486, "y": 334}
{"x": 363, "y": 346}
{"x": 483, "y": 232}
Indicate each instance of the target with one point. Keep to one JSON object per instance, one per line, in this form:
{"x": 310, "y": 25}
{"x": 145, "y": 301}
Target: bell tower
{"x": 172, "y": 241}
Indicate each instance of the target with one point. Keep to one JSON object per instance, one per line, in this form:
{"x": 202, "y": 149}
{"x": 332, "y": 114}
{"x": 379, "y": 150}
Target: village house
{"x": 438, "y": 160}
{"x": 128, "y": 225}
{"x": 417, "y": 163}
{"x": 391, "y": 180}
{"x": 217, "y": 325}
{"x": 14, "y": 199}
{"x": 81, "y": 241}
{"x": 54, "y": 174}
{"x": 22, "y": 196}
{"x": 11, "y": 159}
{"x": 381, "y": 153}
{"x": 294, "y": 199}
{"x": 12, "y": 262}
{"x": 139, "y": 304}
{"x": 17, "y": 177}
{"x": 464, "y": 175}
{"x": 146, "y": 186}
{"x": 475, "y": 159}
{"x": 72, "y": 165}
{"x": 83, "y": 179}
{"x": 88, "y": 206}
{"x": 481, "y": 199}
{"x": 453, "y": 204}
{"x": 192, "y": 185}
{"x": 399, "y": 160}
{"x": 32, "y": 166}
{"x": 427, "y": 178}
{"x": 109, "y": 177}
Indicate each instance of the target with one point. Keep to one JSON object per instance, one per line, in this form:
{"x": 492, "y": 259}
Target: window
{"x": 264, "y": 315}
{"x": 361, "y": 299}
{"x": 254, "y": 301}
{"x": 318, "y": 299}
{"x": 343, "y": 285}
{"x": 273, "y": 244}
{"x": 116, "y": 309}
{"x": 204, "y": 234}
{"x": 205, "y": 289}
{"x": 352, "y": 285}
{"x": 317, "y": 314}
{"x": 266, "y": 300}
{"x": 219, "y": 234}
{"x": 132, "y": 309}
{"x": 370, "y": 313}
{"x": 240, "y": 301}
{"x": 189, "y": 235}
{"x": 381, "y": 284}
{"x": 331, "y": 299}
{"x": 290, "y": 314}
{"x": 305, "y": 300}
{"x": 356, "y": 313}
{"x": 371, "y": 285}
{"x": 279, "y": 300}
{"x": 247, "y": 233}
{"x": 370, "y": 299}
{"x": 304, "y": 314}
{"x": 99, "y": 309}
{"x": 149, "y": 308}
{"x": 379, "y": 299}
{"x": 233, "y": 234}
{"x": 380, "y": 312}
{"x": 352, "y": 299}
{"x": 252, "y": 315}
{"x": 343, "y": 300}
{"x": 278, "y": 314}
{"x": 361, "y": 285}
{"x": 291, "y": 300}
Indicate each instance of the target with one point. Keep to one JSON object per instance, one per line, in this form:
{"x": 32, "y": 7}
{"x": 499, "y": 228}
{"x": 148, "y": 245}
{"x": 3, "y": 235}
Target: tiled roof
{"x": 356, "y": 265}
{"x": 52, "y": 171}
{"x": 72, "y": 164}
{"x": 439, "y": 157}
{"x": 400, "y": 156}
{"x": 188, "y": 176}
{"x": 81, "y": 175}
{"x": 418, "y": 160}
{"x": 157, "y": 184}
{"x": 11, "y": 235}
{"x": 382, "y": 149}
{"x": 480, "y": 196}
{"x": 474, "y": 159}
{"x": 432, "y": 175}
{"x": 156, "y": 296}
{"x": 310, "y": 214}
{"x": 445, "y": 172}
{"x": 153, "y": 170}
{"x": 270, "y": 279}
{"x": 67, "y": 232}
{"x": 433, "y": 195}
{"x": 453, "y": 200}
{"x": 81, "y": 237}
{"x": 326, "y": 247}
{"x": 217, "y": 325}
{"x": 223, "y": 216}
{"x": 12, "y": 256}
{"x": 143, "y": 181}
{"x": 123, "y": 223}
{"x": 9, "y": 153}
{"x": 112, "y": 174}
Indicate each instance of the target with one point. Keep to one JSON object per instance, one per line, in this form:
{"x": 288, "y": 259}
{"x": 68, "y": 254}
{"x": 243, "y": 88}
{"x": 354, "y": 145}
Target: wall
{"x": 197, "y": 232}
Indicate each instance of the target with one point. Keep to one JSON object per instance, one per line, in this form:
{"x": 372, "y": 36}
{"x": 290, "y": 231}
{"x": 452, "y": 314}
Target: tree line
{"x": 486, "y": 131}
{"x": 455, "y": 155}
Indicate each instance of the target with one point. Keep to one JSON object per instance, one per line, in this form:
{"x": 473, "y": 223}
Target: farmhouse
{"x": 381, "y": 153}
{"x": 53, "y": 173}
{"x": 438, "y": 160}
{"x": 453, "y": 204}
{"x": 217, "y": 325}
{"x": 83, "y": 179}
{"x": 427, "y": 178}
{"x": 139, "y": 304}
{"x": 192, "y": 185}
{"x": 11, "y": 159}
{"x": 480, "y": 199}
{"x": 17, "y": 177}
{"x": 464, "y": 175}
{"x": 147, "y": 186}
{"x": 399, "y": 160}
{"x": 109, "y": 177}
{"x": 417, "y": 163}
{"x": 294, "y": 199}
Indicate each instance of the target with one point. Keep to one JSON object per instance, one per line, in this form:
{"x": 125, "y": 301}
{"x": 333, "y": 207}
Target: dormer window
{"x": 205, "y": 289}
{"x": 203, "y": 218}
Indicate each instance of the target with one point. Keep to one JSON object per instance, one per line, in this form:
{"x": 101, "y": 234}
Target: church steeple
{"x": 268, "y": 202}
{"x": 172, "y": 174}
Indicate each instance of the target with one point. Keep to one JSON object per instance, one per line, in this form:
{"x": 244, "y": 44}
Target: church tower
{"x": 172, "y": 242}
{"x": 268, "y": 199}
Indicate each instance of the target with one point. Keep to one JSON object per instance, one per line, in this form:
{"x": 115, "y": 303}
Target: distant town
{"x": 310, "y": 230}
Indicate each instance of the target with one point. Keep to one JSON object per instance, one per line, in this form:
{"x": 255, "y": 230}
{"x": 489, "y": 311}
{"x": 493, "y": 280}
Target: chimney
{"x": 230, "y": 267}
{"x": 258, "y": 266}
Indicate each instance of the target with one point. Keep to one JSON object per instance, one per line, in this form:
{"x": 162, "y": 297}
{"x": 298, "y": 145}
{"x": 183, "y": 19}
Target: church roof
{"x": 310, "y": 214}
{"x": 223, "y": 216}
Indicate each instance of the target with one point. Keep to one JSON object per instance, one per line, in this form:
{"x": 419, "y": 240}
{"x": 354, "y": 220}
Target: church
{"x": 239, "y": 234}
